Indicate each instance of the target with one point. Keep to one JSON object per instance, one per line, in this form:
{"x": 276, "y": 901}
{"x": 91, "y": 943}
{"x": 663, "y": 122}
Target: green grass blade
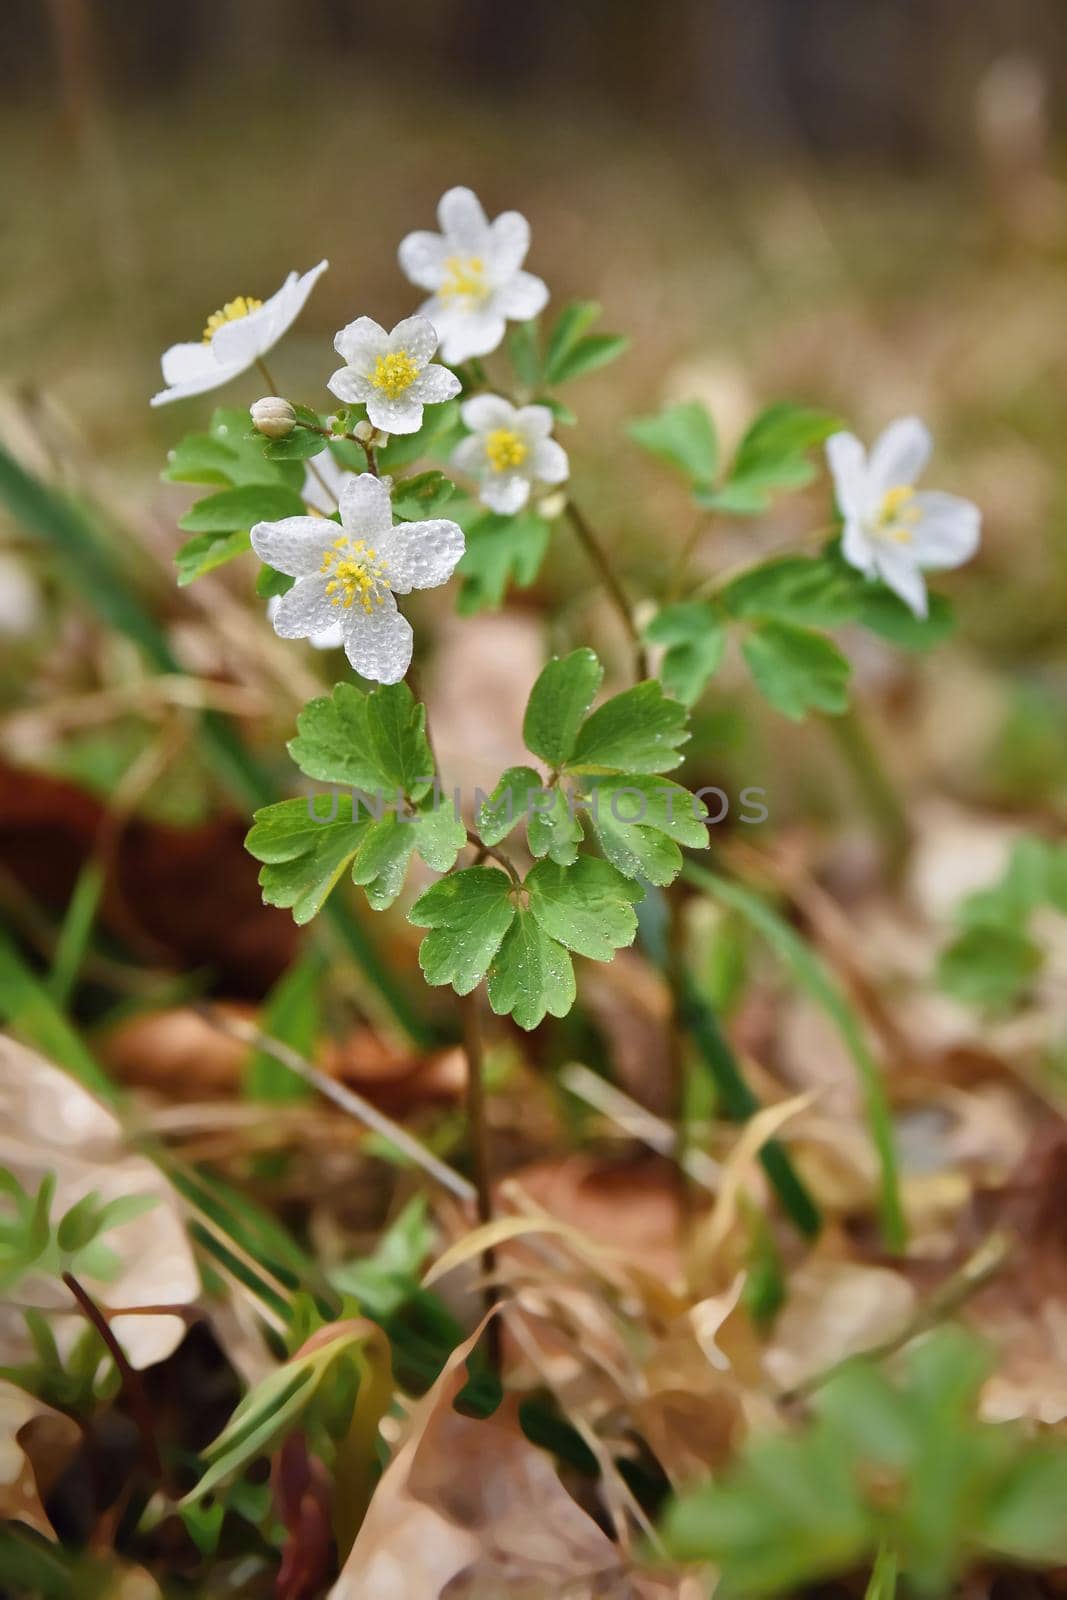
{"x": 27, "y": 1008}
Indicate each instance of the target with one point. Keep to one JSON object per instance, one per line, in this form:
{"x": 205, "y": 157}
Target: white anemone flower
{"x": 352, "y": 573}
{"x": 894, "y": 531}
{"x": 392, "y": 374}
{"x": 474, "y": 269}
{"x": 322, "y": 492}
{"x": 235, "y": 337}
{"x": 508, "y": 451}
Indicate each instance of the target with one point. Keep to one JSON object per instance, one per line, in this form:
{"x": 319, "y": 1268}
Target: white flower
{"x": 350, "y": 574}
{"x": 473, "y": 266}
{"x": 331, "y": 638}
{"x": 234, "y": 338}
{"x": 323, "y": 477}
{"x": 509, "y": 449}
{"x": 391, "y": 373}
{"x": 894, "y": 531}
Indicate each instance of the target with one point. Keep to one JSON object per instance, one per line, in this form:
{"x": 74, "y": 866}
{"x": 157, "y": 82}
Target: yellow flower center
{"x": 232, "y": 311}
{"x": 464, "y": 280}
{"x": 897, "y": 514}
{"x": 357, "y": 573}
{"x": 505, "y": 449}
{"x": 394, "y": 373}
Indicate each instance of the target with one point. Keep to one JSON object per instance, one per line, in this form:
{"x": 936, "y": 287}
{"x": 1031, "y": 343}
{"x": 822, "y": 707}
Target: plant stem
{"x": 479, "y": 1143}
{"x": 131, "y": 1380}
{"x": 616, "y": 593}
{"x": 882, "y": 801}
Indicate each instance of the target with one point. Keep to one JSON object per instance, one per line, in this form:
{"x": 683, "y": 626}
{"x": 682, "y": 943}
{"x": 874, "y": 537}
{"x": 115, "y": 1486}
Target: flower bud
{"x": 273, "y": 416}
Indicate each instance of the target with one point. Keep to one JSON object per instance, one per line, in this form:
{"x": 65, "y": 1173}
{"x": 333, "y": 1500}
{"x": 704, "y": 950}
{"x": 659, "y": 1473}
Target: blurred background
{"x": 859, "y": 204}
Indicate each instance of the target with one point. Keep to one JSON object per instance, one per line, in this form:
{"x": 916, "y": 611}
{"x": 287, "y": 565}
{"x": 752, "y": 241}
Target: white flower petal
{"x": 900, "y": 454}
{"x": 466, "y": 333}
{"x": 484, "y": 412}
{"x": 847, "y": 460}
{"x": 509, "y": 240}
{"x": 856, "y": 546}
{"x": 534, "y": 422}
{"x": 549, "y": 462}
{"x": 366, "y": 509}
{"x": 463, "y": 221}
{"x": 505, "y": 492}
{"x": 417, "y": 336}
{"x": 199, "y": 372}
{"x": 378, "y": 642}
{"x": 330, "y": 638}
{"x": 896, "y": 567}
{"x": 402, "y": 415}
{"x": 350, "y": 385}
{"x": 522, "y": 297}
{"x": 434, "y": 384}
{"x": 305, "y": 609}
{"x": 469, "y": 454}
{"x": 322, "y": 487}
{"x": 294, "y": 545}
{"x": 252, "y": 336}
{"x": 361, "y": 343}
{"x": 421, "y": 555}
{"x": 949, "y": 531}
{"x": 422, "y": 258}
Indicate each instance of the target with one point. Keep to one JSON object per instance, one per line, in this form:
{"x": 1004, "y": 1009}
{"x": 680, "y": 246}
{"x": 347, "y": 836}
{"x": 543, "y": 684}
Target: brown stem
{"x": 131, "y": 1380}
{"x": 479, "y": 1143}
{"x": 616, "y": 593}
{"x": 496, "y": 855}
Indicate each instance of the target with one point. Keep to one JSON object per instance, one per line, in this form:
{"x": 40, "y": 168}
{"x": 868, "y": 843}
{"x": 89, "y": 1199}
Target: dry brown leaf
{"x": 49, "y": 1123}
{"x": 835, "y": 1309}
{"x": 471, "y": 1509}
{"x": 35, "y": 1444}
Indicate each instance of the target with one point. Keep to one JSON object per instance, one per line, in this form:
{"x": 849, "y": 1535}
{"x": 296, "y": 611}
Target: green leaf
{"x": 559, "y": 701}
{"x": 884, "y": 613}
{"x": 587, "y": 906}
{"x": 381, "y": 863}
{"x": 640, "y": 822}
{"x": 420, "y": 497}
{"x": 531, "y": 974}
{"x": 291, "y": 1013}
{"x": 553, "y": 827}
{"x": 242, "y": 508}
{"x": 440, "y": 833}
{"x": 989, "y": 967}
{"x": 797, "y": 670}
{"x": 588, "y": 355}
{"x": 270, "y": 583}
{"x": 683, "y": 436}
{"x": 772, "y": 455}
{"x": 570, "y": 325}
{"x": 1027, "y": 1521}
{"x": 468, "y": 914}
{"x": 396, "y": 729}
{"x": 523, "y": 348}
{"x": 794, "y": 589}
{"x": 695, "y": 636}
{"x": 373, "y": 742}
{"x": 303, "y": 858}
{"x": 440, "y": 431}
{"x": 206, "y": 551}
{"x": 508, "y": 804}
{"x": 300, "y": 445}
{"x": 501, "y": 551}
{"x": 226, "y": 455}
{"x": 636, "y": 731}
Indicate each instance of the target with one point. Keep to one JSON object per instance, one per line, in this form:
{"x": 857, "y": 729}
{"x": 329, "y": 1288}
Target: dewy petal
{"x": 463, "y": 222}
{"x": 469, "y": 454}
{"x": 534, "y": 422}
{"x": 900, "y": 454}
{"x": 366, "y": 509}
{"x": 330, "y": 638}
{"x": 856, "y": 546}
{"x": 305, "y": 609}
{"x": 421, "y": 555}
{"x": 350, "y": 385}
{"x": 484, "y": 412}
{"x": 509, "y": 240}
{"x": 402, "y": 415}
{"x": 522, "y": 297}
{"x": 322, "y": 488}
{"x": 465, "y": 334}
{"x": 248, "y": 337}
{"x": 549, "y": 462}
{"x": 422, "y": 258}
{"x": 294, "y": 545}
{"x": 361, "y": 343}
{"x": 847, "y": 460}
{"x": 896, "y": 567}
{"x": 417, "y": 336}
{"x": 378, "y": 642}
{"x": 949, "y": 531}
{"x": 200, "y": 372}
{"x": 505, "y": 492}
{"x": 434, "y": 384}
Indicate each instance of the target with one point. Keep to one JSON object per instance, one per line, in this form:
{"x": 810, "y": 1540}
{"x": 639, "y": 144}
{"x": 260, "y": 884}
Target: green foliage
{"x": 31, "y": 1240}
{"x": 229, "y": 455}
{"x": 773, "y": 455}
{"x": 422, "y": 496}
{"x": 291, "y": 1014}
{"x": 695, "y": 636}
{"x": 372, "y": 742}
{"x": 441, "y": 430}
{"x": 501, "y": 551}
{"x": 468, "y": 913}
{"x": 900, "y": 1474}
{"x": 684, "y": 436}
{"x": 797, "y": 670}
{"x": 571, "y": 351}
{"x": 994, "y": 959}
{"x": 797, "y": 589}
{"x": 559, "y": 702}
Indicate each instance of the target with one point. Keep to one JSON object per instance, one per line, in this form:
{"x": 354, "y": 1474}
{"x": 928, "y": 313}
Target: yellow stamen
{"x": 505, "y": 448}
{"x": 232, "y": 311}
{"x": 357, "y": 573}
{"x": 897, "y": 514}
{"x": 394, "y": 373}
{"x": 464, "y": 280}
